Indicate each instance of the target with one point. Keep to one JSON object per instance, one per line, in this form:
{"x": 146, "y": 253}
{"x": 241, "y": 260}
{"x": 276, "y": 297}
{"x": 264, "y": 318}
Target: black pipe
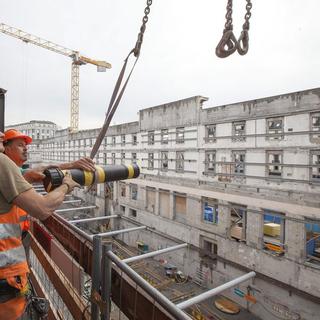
{"x": 54, "y": 176}
{"x": 2, "y": 103}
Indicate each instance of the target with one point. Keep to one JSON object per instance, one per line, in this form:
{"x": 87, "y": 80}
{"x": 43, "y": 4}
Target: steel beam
{"x": 93, "y": 219}
{"x": 215, "y": 291}
{"x": 74, "y": 209}
{"x": 154, "y": 293}
{"x": 96, "y": 275}
{"x": 73, "y": 227}
{"x": 154, "y": 253}
{"x": 113, "y": 233}
{"x": 72, "y": 201}
{"x": 106, "y": 281}
{"x": 79, "y": 244}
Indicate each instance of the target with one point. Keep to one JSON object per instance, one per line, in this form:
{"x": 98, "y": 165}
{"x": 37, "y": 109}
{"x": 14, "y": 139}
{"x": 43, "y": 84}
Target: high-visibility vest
{"x": 13, "y": 261}
{"x": 24, "y": 221}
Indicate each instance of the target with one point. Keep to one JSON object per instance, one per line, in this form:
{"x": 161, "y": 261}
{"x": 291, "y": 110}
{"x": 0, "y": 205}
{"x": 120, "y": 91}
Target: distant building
{"x": 239, "y": 182}
{"x": 37, "y": 130}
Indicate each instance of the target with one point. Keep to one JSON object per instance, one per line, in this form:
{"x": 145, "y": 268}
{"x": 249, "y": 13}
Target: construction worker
{"x": 15, "y": 193}
{"x": 16, "y": 147}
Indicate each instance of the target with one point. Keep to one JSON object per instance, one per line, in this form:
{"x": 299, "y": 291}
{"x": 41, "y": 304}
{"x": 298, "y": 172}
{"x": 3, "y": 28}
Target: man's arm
{"x": 83, "y": 163}
{"x": 36, "y": 175}
{"x": 42, "y": 207}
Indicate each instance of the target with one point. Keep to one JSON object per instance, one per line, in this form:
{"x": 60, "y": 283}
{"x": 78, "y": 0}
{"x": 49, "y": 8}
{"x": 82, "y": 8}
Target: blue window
{"x": 210, "y": 213}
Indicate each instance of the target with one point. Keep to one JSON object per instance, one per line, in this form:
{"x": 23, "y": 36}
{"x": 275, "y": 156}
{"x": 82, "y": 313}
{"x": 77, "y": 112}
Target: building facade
{"x": 37, "y": 130}
{"x": 240, "y": 183}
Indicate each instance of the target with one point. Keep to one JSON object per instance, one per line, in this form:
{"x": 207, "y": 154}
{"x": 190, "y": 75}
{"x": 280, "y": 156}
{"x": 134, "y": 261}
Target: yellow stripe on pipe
{"x": 101, "y": 174}
{"x": 130, "y": 171}
{"x": 88, "y": 178}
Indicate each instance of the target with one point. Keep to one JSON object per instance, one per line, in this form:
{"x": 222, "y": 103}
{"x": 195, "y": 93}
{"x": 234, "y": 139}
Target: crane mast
{"x": 77, "y": 60}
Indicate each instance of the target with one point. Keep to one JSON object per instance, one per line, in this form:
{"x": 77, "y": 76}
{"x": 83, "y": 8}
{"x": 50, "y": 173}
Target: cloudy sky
{"x": 177, "y": 60}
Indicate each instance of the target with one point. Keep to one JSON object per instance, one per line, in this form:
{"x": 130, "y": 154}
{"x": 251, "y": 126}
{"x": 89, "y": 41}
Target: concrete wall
{"x": 292, "y": 194}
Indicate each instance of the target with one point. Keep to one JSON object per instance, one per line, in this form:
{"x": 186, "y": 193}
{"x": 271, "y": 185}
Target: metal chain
{"x": 228, "y": 43}
{"x": 137, "y": 48}
{"x": 228, "y": 25}
{"x": 247, "y": 16}
{"x": 243, "y": 41}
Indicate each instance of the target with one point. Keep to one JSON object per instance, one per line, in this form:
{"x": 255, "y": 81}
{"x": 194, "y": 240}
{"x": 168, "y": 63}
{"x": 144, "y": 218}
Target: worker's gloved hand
{"x": 67, "y": 180}
{"x": 84, "y": 164}
{"x": 33, "y": 176}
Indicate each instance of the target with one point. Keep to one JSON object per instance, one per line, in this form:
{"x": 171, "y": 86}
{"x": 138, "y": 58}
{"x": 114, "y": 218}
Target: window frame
{"x": 180, "y": 131}
{"x": 134, "y": 191}
{"x": 314, "y": 163}
{"x": 208, "y": 137}
{"x": 272, "y": 133}
{"x": 213, "y": 204}
{"x": 239, "y": 134}
{"x": 123, "y": 157}
{"x": 234, "y": 154}
{"x": 123, "y": 139}
{"x": 164, "y": 158}
{"x": 276, "y": 245}
{"x": 273, "y": 173}
{"x": 238, "y": 215}
{"x": 180, "y": 161}
{"x": 134, "y": 139}
{"x": 164, "y": 133}
{"x": 150, "y": 161}
{"x": 151, "y": 137}
{"x": 207, "y": 162}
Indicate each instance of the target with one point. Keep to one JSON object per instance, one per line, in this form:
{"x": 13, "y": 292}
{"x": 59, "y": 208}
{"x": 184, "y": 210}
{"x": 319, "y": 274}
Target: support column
{"x": 96, "y": 275}
{"x": 157, "y": 204}
{"x": 295, "y": 239}
{"x": 224, "y": 217}
{"x": 2, "y": 105}
{"x": 254, "y": 228}
{"x": 106, "y": 281}
{"x": 171, "y": 205}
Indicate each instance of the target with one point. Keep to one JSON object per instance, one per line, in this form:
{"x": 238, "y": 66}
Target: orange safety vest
{"x": 24, "y": 221}
{"x": 13, "y": 262}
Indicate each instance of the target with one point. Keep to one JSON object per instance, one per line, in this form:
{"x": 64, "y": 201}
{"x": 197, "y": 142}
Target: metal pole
{"x": 73, "y": 227}
{"x": 2, "y": 106}
{"x": 106, "y": 280}
{"x": 93, "y": 219}
{"x": 215, "y": 291}
{"x": 170, "y": 307}
{"x": 96, "y": 275}
{"x": 113, "y": 233}
{"x": 74, "y": 209}
{"x": 154, "y": 253}
{"x": 71, "y": 201}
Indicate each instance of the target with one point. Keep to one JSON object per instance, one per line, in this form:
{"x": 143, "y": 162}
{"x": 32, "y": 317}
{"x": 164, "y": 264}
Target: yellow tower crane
{"x": 77, "y": 60}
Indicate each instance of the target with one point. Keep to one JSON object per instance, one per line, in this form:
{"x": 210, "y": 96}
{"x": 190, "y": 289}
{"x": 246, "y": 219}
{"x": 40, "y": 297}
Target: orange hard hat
{"x": 15, "y": 134}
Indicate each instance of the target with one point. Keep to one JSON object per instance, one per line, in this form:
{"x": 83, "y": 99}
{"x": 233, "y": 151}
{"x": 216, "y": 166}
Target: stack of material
{"x": 271, "y": 229}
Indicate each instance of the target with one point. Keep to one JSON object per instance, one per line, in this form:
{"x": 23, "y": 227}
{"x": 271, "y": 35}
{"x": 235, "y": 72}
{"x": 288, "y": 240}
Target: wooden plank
{"x": 40, "y": 293}
{"x": 74, "y": 303}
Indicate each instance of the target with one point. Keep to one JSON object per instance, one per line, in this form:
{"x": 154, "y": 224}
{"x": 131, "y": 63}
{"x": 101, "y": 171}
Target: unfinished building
{"x": 240, "y": 183}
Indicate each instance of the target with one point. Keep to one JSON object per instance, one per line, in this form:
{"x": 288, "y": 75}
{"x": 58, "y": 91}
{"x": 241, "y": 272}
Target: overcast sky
{"x": 177, "y": 59}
